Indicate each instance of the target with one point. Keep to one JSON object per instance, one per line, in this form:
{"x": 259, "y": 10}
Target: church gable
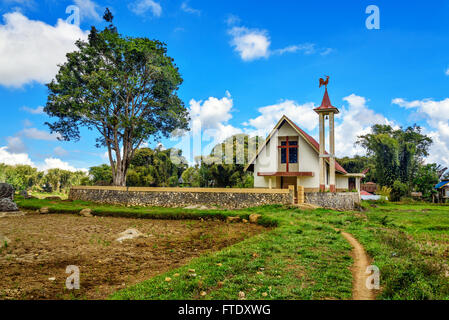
{"x": 272, "y": 158}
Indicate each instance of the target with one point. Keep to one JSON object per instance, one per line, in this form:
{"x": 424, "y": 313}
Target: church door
{"x": 289, "y": 181}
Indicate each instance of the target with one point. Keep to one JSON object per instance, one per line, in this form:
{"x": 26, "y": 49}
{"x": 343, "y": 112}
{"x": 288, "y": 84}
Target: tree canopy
{"x": 123, "y": 87}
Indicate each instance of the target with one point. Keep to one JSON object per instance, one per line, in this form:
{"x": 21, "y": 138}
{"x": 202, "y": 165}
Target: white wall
{"x": 308, "y": 161}
{"x": 342, "y": 182}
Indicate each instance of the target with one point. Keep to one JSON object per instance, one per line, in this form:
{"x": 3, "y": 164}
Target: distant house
{"x": 364, "y": 195}
{"x": 369, "y": 187}
{"x": 443, "y": 191}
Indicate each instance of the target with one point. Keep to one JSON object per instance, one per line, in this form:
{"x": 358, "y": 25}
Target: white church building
{"x": 290, "y": 156}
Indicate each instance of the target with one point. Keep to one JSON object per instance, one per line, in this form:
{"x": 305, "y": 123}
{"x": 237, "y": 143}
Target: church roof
{"x": 326, "y": 104}
{"x": 315, "y": 145}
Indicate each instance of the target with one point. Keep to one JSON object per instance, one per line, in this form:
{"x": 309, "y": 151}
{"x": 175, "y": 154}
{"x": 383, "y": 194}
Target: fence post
{"x": 300, "y": 194}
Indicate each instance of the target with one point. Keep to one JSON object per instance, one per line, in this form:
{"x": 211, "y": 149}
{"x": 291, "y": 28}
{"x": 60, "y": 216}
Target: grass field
{"x": 303, "y": 257}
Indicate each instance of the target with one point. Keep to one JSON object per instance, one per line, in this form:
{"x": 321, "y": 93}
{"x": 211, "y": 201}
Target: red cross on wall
{"x": 287, "y": 147}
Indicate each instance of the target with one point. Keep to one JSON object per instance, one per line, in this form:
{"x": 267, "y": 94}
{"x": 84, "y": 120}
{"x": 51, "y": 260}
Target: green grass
{"x": 297, "y": 260}
{"x": 303, "y": 257}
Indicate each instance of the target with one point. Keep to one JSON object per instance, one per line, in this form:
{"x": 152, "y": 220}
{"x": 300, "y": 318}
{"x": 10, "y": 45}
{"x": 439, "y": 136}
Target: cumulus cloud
{"x": 447, "y": 72}
{"x": 88, "y": 9}
{"x": 302, "y": 114}
{"x": 38, "y": 110}
{"x": 141, "y": 7}
{"x": 252, "y": 44}
{"x": 30, "y": 50}
{"x": 12, "y": 159}
{"x": 15, "y": 145}
{"x": 59, "y": 151}
{"x": 211, "y": 116}
{"x": 436, "y": 114}
{"x": 36, "y": 134}
{"x": 354, "y": 120}
{"x": 55, "y": 163}
{"x": 186, "y": 8}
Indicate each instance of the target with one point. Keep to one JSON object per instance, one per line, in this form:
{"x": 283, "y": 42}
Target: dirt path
{"x": 361, "y": 262}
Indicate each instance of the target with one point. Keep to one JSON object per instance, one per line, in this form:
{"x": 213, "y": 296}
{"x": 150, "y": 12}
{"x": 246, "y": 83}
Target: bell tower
{"x": 326, "y": 111}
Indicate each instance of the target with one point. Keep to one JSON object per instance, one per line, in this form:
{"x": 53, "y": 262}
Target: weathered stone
{"x": 232, "y": 219}
{"x": 44, "y": 210}
{"x": 6, "y": 191}
{"x": 336, "y": 201}
{"x": 86, "y": 212}
{"x": 7, "y": 205}
{"x": 254, "y": 217}
{"x": 129, "y": 234}
{"x": 184, "y": 197}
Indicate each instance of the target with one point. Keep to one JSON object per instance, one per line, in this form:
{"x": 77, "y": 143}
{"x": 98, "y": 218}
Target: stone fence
{"x": 230, "y": 198}
{"x": 337, "y": 201}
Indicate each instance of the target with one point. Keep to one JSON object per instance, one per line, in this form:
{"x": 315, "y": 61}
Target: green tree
{"x": 425, "y": 180}
{"x": 396, "y": 153}
{"x": 223, "y": 169}
{"x": 156, "y": 168}
{"x": 101, "y": 175}
{"x": 125, "y": 88}
{"x": 398, "y": 190}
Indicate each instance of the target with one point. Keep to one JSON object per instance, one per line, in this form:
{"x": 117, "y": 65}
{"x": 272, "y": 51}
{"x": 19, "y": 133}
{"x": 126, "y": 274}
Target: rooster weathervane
{"x": 324, "y": 82}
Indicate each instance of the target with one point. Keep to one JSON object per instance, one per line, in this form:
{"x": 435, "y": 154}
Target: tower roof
{"x": 326, "y": 104}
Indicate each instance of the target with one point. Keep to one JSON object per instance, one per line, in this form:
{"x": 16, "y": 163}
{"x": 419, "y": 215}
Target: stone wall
{"x": 229, "y": 198}
{"x": 337, "y": 201}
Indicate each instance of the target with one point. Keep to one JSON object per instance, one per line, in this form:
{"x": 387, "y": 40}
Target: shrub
{"x": 398, "y": 190}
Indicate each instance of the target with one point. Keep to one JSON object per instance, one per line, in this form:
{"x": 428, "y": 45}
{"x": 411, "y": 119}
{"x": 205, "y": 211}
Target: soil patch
{"x": 33, "y": 264}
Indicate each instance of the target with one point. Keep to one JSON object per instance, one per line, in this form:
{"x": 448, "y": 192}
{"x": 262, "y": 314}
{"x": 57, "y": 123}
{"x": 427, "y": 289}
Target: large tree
{"x": 397, "y": 153}
{"x": 125, "y": 88}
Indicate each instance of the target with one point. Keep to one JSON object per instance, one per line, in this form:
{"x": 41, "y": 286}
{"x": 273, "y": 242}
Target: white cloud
{"x": 141, "y": 7}
{"x": 33, "y": 133}
{"x": 59, "y": 151}
{"x": 436, "y": 114}
{"x": 186, "y": 8}
{"x": 302, "y": 114}
{"x": 12, "y": 159}
{"x": 354, "y": 120}
{"x": 210, "y": 113}
{"x": 447, "y": 72}
{"x": 38, "y": 110}
{"x": 55, "y": 163}
{"x": 307, "y": 48}
{"x": 15, "y": 145}
{"x": 251, "y": 44}
{"x": 30, "y": 50}
{"x": 88, "y": 9}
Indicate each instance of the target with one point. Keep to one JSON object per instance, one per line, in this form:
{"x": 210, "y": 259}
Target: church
{"x": 291, "y": 157}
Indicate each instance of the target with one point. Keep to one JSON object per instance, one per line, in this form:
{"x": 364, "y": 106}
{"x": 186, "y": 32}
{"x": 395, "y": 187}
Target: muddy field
{"x": 33, "y": 263}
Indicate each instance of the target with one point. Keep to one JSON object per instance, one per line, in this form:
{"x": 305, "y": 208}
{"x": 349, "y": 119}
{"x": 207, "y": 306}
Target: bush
{"x": 398, "y": 190}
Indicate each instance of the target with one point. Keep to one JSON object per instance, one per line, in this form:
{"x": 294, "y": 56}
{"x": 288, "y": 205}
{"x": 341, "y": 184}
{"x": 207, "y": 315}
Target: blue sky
{"x": 244, "y": 64}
